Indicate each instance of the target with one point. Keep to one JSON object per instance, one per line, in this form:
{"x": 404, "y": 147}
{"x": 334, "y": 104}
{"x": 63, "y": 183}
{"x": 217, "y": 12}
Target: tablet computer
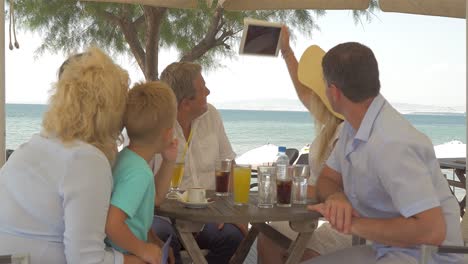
{"x": 260, "y": 38}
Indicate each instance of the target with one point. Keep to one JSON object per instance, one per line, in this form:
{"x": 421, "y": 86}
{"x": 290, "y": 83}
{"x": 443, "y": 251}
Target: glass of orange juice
{"x": 242, "y": 174}
{"x": 176, "y": 179}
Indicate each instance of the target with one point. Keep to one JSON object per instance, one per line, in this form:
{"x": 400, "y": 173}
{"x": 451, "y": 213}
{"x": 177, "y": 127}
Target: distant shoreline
{"x": 302, "y": 111}
{"x": 286, "y": 109}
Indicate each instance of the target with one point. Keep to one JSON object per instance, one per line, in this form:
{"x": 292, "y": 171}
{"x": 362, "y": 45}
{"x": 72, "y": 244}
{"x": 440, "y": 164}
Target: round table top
{"x": 223, "y": 210}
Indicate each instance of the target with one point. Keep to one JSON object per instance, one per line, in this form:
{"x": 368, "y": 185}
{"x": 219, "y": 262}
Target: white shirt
{"x": 209, "y": 142}
{"x": 54, "y": 200}
{"x": 313, "y": 155}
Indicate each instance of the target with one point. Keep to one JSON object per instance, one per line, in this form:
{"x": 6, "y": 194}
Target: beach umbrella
{"x": 265, "y": 154}
{"x": 446, "y": 8}
{"x": 159, "y": 3}
{"x": 450, "y": 149}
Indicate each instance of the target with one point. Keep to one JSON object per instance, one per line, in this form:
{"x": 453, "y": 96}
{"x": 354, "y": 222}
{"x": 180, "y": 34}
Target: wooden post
{"x": 244, "y": 247}
{"x": 186, "y": 230}
{"x": 2, "y": 83}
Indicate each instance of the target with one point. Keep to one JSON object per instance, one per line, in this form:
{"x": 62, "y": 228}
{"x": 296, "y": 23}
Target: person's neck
{"x": 147, "y": 152}
{"x": 185, "y": 122}
{"x": 356, "y": 112}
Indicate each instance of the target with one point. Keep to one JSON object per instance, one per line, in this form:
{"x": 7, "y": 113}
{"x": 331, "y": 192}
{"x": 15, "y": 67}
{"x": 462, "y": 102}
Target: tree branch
{"x": 131, "y": 36}
{"x": 140, "y": 20}
{"x": 210, "y": 40}
{"x": 109, "y": 16}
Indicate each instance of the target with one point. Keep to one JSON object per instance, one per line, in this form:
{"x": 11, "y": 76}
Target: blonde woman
{"x": 55, "y": 189}
{"x": 306, "y": 76}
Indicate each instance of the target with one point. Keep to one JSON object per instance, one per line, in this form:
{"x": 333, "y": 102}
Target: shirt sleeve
{"x": 130, "y": 190}
{"x": 86, "y": 190}
{"x": 225, "y": 148}
{"x": 406, "y": 178}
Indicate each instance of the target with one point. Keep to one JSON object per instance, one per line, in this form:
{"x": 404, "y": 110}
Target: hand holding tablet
{"x": 260, "y": 38}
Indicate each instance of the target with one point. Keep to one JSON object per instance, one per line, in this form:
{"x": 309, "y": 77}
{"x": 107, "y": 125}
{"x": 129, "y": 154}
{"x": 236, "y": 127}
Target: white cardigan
{"x": 54, "y": 200}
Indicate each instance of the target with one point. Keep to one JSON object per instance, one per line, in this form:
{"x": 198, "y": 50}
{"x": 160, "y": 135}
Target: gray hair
{"x": 179, "y": 76}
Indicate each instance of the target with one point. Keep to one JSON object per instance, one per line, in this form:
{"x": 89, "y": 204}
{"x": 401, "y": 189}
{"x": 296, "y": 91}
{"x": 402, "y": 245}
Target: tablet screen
{"x": 262, "y": 40}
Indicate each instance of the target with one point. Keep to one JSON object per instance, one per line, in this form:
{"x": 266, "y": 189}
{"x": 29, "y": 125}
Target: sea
{"x": 249, "y": 129}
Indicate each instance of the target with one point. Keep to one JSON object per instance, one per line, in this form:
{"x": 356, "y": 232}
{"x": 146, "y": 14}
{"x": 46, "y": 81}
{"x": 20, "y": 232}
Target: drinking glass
{"x": 222, "y": 172}
{"x": 266, "y": 186}
{"x": 300, "y": 182}
{"x": 283, "y": 187}
{"x": 242, "y": 174}
{"x": 176, "y": 179}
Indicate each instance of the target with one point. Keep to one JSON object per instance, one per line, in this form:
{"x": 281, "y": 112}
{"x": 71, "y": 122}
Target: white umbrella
{"x": 447, "y": 8}
{"x": 238, "y": 5}
{"x": 452, "y": 149}
{"x": 259, "y": 156}
{"x": 159, "y": 3}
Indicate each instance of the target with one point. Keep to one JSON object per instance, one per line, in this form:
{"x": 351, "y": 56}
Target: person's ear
{"x": 184, "y": 104}
{"x": 169, "y": 135}
{"x": 335, "y": 92}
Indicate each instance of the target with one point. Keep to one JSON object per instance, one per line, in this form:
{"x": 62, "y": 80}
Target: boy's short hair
{"x": 151, "y": 107}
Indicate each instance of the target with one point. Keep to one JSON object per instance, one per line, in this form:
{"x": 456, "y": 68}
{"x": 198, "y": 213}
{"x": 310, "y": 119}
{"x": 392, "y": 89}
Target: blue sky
{"x": 422, "y": 60}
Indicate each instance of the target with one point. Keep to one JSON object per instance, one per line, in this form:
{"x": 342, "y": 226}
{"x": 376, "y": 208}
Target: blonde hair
{"x": 326, "y": 124}
{"x": 151, "y": 107}
{"x": 88, "y": 101}
{"x": 179, "y": 76}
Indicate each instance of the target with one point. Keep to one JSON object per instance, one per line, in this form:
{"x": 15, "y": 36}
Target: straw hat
{"x": 311, "y": 75}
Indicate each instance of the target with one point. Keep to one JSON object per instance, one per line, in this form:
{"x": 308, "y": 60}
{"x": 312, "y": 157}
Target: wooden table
{"x": 188, "y": 221}
{"x": 459, "y": 167}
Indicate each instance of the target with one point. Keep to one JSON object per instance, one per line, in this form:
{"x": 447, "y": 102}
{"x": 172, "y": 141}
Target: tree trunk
{"x": 153, "y": 19}
{"x": 131, "y": 36}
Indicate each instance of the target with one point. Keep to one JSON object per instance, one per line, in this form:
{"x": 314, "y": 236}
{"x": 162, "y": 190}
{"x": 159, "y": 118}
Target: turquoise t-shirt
{"x": 133, "y": 193}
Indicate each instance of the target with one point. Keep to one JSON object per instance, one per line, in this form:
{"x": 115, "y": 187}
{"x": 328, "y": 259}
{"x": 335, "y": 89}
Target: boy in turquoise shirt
{"x": 149, "y": 120}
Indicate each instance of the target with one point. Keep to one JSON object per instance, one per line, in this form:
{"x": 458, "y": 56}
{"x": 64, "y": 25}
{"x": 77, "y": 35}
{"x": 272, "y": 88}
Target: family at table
{"x": 68, "y": 196}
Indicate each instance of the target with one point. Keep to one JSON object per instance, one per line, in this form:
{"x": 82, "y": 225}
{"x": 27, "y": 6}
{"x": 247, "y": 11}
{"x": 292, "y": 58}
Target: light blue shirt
{"x": 133, "y": 193}
{"x": 389, "y": 169}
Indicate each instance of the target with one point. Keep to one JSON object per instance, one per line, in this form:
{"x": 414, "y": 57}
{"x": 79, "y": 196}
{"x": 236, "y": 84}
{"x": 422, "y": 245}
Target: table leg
{"x": 244, "y": 247}
{"x": 305, "y": 230}
{"x": 460, "y": 175}
{"x": 296, "y": 250}
{"x": 463, "y": 206}
{"x": 186, "y": 230}
{"x": 462, "y": 178}
{"x": 273, "y": 235}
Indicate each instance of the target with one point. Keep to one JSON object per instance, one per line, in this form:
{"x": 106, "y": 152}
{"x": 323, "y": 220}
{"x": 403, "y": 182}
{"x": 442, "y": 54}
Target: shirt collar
{"x": 367, "y": 123}
{"x": 193, "y": 124}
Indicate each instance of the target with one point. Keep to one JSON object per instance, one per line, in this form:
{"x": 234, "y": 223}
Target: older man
{"x": 382, "y": 182}
{"x": 200, "y": 131}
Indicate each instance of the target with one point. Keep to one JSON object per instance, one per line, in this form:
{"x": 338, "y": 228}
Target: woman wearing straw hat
{"x": 307, "y": 78}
